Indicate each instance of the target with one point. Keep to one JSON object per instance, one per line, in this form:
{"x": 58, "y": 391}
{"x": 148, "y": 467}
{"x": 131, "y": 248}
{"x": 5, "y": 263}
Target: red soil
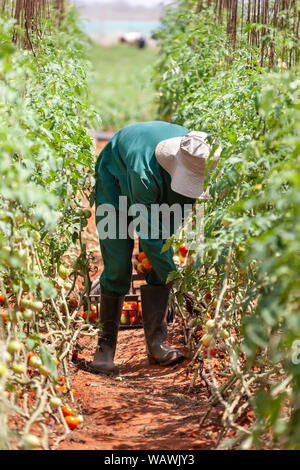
{"x": 145, "y": 406}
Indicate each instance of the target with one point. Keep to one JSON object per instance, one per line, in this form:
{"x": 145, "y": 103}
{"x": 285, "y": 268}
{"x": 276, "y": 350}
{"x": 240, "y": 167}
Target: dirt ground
{"x": 145, "y": 406}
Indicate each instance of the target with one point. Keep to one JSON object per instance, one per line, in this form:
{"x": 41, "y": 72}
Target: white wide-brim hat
{"x": 187, "y": 160}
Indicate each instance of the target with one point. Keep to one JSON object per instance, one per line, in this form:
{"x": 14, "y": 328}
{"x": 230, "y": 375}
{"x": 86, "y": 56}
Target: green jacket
{"x": 127, "y": 166}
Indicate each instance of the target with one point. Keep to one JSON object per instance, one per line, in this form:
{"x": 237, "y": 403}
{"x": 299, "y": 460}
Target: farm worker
{"x": 149, "y": 163}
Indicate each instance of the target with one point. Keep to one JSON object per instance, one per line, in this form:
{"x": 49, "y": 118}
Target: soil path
{"x": 145, "y": 406}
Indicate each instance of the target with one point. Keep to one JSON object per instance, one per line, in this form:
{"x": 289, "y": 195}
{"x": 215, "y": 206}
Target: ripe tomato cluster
{"x": 93, "y": 315}
{"x": 133, "y": 310}
{"x": 144, "y": 266}
{"x": 71, "y": 419}
{"x": 180, "y": 257}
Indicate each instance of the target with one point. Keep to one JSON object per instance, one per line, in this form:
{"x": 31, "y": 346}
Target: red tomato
{"x": 67, "y": 411}
{"x": 132, "y": 319}
{"x": 133, "y": 305}
{"x": 146, "y": 264}
{"x": 183, "y": 250}
{"x": 72, "y": 422}
{"x": 29, "y": 356}
{"x": 93, "y": 316}
{"x": 141, "y": 256}
{"x": 1, "y": 298}
{"x": 212, "y": 350}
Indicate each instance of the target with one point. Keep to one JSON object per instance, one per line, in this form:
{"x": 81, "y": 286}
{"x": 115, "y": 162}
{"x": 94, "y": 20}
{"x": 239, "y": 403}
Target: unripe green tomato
{"x": 18, "y": 367}
{"x": 35, "y": 362}
{"x": 28, "y": 314}
{"x": 35, "y": 236}
{"x": 7, "y": 357}
{"x": 14, "y": 346}
{"x": 209, "y": 325}
{"x": 224, "y": 334}
{"x": 37, "y": 306}
{"x": 5, "y": 216}
{"x": 206, "y": 339}
{"x": 83, "y": 222}
{"x": 80, "y": 418}
{"x": 86, "y": 213}
{"x": 18, "y": 236}
{"x": 14, "y": 316}
{"x": 29, "y": 441}
{"x": 3, "y": 370}
{"x": 23, "y": 256}
{"x": 55, "y": 402}
{"x": 63, "y": 271}
{"x": 43, "y": 370}
{"x": 6, "y": 250}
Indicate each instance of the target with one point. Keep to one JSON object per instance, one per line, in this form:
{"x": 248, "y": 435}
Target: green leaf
{"x": 48, "y": 361}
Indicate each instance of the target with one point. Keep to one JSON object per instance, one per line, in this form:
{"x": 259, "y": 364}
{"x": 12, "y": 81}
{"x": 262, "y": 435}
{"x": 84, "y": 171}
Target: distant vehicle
{"x": 134, "y": 38}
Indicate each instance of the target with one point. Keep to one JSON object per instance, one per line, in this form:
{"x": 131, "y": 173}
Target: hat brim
{"x": 166, "y": 152}
{"x": 184, "y": 181}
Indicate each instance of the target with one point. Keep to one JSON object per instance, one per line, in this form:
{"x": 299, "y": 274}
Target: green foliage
{"x": 121, "y": 85}
{"x": 247, "y": 269}
{"x": 47, "y": 165}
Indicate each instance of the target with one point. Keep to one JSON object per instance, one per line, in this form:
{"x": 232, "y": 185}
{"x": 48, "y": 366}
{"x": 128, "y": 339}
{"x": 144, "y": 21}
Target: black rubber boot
{"x": 154, "y": 311}
{"x": 110, "y": 314}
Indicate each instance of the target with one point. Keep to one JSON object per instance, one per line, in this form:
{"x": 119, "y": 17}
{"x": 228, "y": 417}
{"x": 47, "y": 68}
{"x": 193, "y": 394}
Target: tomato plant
{"x": 245, "y": 263}
{"x": 46, "y": 158}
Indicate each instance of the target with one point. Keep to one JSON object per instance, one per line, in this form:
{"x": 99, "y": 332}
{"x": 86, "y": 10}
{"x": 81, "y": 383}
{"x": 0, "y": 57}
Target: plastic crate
{"x": 133, "y": 296}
